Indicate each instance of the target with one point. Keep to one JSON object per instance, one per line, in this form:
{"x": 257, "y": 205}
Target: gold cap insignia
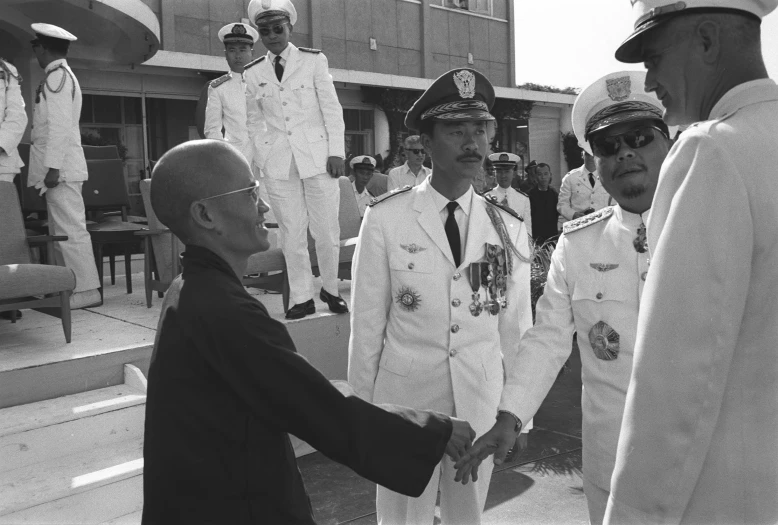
{"x": 619, "y": 89}
{"x": 238, "y": 29}
{"x": 465, "y": 82}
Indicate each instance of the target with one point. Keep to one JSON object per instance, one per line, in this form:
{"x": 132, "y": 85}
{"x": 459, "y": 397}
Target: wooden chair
{"x": 22, "y": 284}
{"x": 106, "y": 189}
{"x": 350, "y": 222}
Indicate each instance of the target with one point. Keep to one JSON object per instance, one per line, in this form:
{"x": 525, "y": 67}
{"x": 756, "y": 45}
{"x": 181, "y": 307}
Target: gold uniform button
{"x": 410, "y": 266}
{"x": 454, "y": 328}
{"x": 281, "y": 89}
{"x": 452, "y": 353}
{"x": 599, "y": 295}
{"x": 287, "y": 119}
{"x": 643, "y": 276}
{"x": 283, "y": 103}
{"x": 455, "y": 303}
{"x": 290, "y": 133}
{"x": 457, "y": 276}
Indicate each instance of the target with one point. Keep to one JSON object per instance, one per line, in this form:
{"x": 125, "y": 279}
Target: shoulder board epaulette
{"x": 491, "y": 199}
{"x": 219, "y": 81}
{"x": 587, "y": 220}
{"x": 254, "y": 62}
{"x": 389, "y": 195}
{"x": 309, "y": 50}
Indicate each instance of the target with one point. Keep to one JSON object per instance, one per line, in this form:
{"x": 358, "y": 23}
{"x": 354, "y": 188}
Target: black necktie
{"x": 452, "y": 232}
{"x": 591, "y": 176}
{"x": 279, "y": 68}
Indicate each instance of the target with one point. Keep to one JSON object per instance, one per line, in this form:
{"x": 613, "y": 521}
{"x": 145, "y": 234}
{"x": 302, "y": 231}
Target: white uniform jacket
{"x": 576, "y": 194}
{"x": 515, "y": 200}
{"x": 402, "y": 176}
{"x": 596, "y": 276}
{"x": 429, "y": 352}
{"x": 226, "y": 109}
{"x": 700, "y": 433}
{"x": 298, "y": 118}
{"x": 13, "y": 118}
{"x": 56, "y": 137}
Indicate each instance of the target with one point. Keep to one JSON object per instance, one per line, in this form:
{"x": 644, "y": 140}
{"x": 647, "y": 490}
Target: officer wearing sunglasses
{"x": 296, "y": 126}
{"x": 412, "y": 173}
{"x": 596, "y": 279}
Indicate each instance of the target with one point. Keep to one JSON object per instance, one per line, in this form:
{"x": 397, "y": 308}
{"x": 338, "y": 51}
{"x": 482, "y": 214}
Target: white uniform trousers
{"x": 269, "y": 216}
{"x": 67, "y": 217}
{"x": 459, "y": 504}
{"x": 596, "y": 500}
{"x": 297, "y": 203}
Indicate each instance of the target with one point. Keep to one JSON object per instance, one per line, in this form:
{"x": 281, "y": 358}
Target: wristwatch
{"x": 518, "y": 426}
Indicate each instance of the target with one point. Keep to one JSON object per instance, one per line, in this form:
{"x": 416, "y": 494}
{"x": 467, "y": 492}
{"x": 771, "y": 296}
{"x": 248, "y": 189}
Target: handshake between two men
{"x": 503, "y": 440}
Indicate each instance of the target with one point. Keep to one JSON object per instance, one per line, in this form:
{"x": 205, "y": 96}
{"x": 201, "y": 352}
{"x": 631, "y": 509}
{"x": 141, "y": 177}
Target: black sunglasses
{"x": 637, "y": 138}
{"x": 416, "y": 151}
{"x": 277, "y": 29}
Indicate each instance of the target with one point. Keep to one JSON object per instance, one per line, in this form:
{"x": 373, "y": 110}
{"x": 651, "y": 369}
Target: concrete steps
{"x": 74, "y": 459}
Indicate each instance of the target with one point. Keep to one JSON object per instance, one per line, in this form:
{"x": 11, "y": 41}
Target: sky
{"x": 571, "y": 42}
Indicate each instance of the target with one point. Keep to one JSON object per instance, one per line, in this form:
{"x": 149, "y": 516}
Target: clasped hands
{"x": 498, "y": 441}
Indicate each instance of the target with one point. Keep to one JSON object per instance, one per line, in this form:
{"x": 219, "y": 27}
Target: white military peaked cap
{"x": 614, "y": 99}
{"x": 362, "y": 161}
{"x": 504, "y": 160}
{"x": 52, "y": 31}
{"x": 268, "y": 11}
{"x": 238, "y": 32}
{"x": 652, "y": 13}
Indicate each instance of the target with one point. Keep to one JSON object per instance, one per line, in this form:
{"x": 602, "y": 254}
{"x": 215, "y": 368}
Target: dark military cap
{"x": 458, "y": 95}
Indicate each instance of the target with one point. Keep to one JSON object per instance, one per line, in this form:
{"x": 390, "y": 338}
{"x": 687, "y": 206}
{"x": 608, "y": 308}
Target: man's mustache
{"x": 474, "y": 156}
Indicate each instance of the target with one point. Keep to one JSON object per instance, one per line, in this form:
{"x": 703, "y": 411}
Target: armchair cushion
{"x": 21, "y": 280}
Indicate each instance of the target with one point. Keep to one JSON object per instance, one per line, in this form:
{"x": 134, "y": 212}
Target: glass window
{"x": 359, "y": 131}
{"x": 107, "y": 109}
{"x": 476, "y": 6}
{"x": 133, "y": 113}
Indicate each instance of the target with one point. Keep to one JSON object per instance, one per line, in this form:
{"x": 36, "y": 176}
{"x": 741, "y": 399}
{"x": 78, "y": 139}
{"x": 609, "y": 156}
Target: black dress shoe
{"x": 299, "y": 311}
{"x": 335, "y": 302}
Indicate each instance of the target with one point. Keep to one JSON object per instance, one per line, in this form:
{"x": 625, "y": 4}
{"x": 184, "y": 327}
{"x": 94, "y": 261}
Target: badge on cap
{"x": 619, "y": 89}
{"x": 465, "y": 82}
{"x": 238, "y": 29}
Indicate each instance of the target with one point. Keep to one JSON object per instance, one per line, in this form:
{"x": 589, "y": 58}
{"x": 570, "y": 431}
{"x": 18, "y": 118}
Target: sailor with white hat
{"x": 226, "y": 107}
{"x": 699, "y": 436}
{"x": 505, "y": 166}
{"x": 296, "y": 124}
{"x": 57, "y": 163}
{"x": 363, "y": 167}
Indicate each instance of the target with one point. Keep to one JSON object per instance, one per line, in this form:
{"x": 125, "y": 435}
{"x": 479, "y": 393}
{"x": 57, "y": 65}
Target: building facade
{"x": 382, "y": 54}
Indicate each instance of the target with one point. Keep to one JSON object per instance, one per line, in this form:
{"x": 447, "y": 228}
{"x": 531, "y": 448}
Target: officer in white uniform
{"x": 362, "y": 166}
{"x": 13, "y": 121}
{"x": 296, "y": 124}
{"x": 427, "y": 330}
{"x": 581, "y": 192}
{"x": 226, "y": 107}
{"x": 57, "y": 163}
{"x": 596, "y": 277}
{"x": 505, "y": 167}
{"x": 700, "y": 431}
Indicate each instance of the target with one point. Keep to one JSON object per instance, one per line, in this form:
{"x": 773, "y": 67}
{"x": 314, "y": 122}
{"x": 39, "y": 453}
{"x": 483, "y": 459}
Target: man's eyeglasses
{"x": 253, "y": 190}
{"x": 277, "y": 29}
{"x": 416, "y": 151}
{"x": 608, "y": 146}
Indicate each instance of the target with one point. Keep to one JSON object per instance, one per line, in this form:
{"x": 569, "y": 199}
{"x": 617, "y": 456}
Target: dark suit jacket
{"x": 226, "y": 385}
